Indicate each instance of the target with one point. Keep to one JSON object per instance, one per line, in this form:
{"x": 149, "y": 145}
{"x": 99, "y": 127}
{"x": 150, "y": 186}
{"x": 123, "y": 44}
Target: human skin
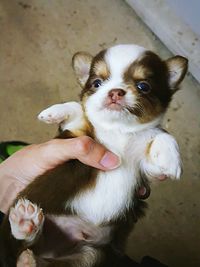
{"x": 23, "y": 166}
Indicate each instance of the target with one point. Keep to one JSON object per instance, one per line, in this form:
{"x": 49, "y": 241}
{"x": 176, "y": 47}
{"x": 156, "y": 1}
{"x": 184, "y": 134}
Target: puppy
{"x": 126, "y": 90}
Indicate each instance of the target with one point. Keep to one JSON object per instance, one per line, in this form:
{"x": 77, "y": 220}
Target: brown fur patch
{"x": 87, "y": 129}
{"x": 60, "y": 183}
{"x": 125, "y": 224}
{"x": 101, "y": 70}
{"x": 149, "y": 68}
{"x": 141, "y": 72}
{"x": 98, "y": 70}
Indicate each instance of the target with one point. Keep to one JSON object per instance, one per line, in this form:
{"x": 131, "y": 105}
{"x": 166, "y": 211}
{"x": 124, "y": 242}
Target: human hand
{"x": 23, "y": 166}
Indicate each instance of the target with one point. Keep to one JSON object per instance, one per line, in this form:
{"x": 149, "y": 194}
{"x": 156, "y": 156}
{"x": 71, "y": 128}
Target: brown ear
{"x": 177, "y": 68}
{"x": 81, "y": 63}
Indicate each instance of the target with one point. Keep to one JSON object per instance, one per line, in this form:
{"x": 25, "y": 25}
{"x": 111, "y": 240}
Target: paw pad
{"x": 26, "y": 220}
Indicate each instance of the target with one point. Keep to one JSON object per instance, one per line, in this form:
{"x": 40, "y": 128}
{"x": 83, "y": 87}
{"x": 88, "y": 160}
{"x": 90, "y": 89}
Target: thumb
{"x": 84, "y": 149}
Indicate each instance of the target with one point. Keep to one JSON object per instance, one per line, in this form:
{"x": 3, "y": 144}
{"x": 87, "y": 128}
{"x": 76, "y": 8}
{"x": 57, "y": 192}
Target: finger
{"x": 86, "y": 150}
{"x": 94, "y": 154}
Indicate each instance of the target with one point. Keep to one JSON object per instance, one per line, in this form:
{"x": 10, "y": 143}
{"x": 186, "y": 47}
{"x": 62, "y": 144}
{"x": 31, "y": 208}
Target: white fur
{"x": 69, "y": 115}
{"x": 164, "y": 158}
{"x": 119, "y": 57}
{"x": 123, "y": 134}
{"x": 114, "y": 190}
{"x": 113, "y": 193}
{"x": 20, "y": 218}
{"x": 114, "y": 120}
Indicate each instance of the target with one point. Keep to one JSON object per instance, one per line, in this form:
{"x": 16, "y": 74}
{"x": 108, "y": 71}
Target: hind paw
{"x": 26, "y": 220}
{"x": 26, "y": 259}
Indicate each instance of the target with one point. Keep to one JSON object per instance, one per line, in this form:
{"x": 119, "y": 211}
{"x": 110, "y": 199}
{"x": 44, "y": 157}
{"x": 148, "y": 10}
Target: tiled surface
{"x": 38, "y": 39}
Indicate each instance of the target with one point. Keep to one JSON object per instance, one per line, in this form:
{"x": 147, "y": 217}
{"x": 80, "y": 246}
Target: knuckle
{"x": 84, "y": 144}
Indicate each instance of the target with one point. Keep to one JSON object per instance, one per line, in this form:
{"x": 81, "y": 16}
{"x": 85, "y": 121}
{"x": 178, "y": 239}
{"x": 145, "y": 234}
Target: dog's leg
{"x": 162, "y": 158}
{"x": 86, "y": 257}
{"x": 60, "y": 112}
{"x": 26, "y": 220}
{"x": 26, "y": 259}
{"x": 69, "y": 115}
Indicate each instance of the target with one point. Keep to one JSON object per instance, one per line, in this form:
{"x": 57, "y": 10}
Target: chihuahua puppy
{"x": 126, "y": 90}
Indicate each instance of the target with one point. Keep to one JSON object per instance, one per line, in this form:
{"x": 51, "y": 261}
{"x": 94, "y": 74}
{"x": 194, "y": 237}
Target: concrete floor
{"x": 37, "y": 41}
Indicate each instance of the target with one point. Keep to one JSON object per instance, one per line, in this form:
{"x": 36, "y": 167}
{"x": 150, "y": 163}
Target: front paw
{"x": 54, "y": 114}
{"x": 163, "y": 158}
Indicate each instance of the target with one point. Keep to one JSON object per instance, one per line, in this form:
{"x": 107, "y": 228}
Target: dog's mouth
{"x": 116, "y": 105}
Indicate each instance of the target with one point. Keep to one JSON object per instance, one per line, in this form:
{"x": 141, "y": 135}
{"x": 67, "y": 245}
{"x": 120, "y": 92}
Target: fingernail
{"x": 110, "y": 161}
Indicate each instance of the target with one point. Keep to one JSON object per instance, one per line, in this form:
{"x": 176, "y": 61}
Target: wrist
{"x": 8, "y": 192}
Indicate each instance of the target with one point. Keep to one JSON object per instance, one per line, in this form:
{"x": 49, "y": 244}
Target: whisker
{"x": 137, "y": 109}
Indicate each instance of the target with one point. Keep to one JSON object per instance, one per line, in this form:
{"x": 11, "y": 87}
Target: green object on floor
{"x": 9, "y": 148}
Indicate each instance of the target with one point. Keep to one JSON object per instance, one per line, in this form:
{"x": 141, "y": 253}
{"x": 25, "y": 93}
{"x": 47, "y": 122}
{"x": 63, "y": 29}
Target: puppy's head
{"x": 127, "y": 85}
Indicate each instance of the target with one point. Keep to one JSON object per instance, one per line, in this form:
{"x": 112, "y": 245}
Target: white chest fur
{"x": 113, "y": 193}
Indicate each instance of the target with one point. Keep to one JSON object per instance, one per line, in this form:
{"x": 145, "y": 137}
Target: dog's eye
{"x": 143, "y": 87}
{"x": 97, "y": 83}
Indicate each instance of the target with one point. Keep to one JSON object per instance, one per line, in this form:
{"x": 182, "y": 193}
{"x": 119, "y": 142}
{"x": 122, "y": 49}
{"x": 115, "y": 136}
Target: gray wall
{"x": 189, "y": 11}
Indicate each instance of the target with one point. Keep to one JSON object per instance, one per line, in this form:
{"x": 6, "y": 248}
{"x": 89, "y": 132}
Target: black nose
{"x": 116, "y": 93}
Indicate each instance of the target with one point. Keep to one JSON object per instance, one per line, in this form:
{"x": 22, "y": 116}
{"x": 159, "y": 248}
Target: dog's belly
{"x": 113, "y": 193}
{"x": 70, "y": 231}
{"x": 111, "y": 196}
